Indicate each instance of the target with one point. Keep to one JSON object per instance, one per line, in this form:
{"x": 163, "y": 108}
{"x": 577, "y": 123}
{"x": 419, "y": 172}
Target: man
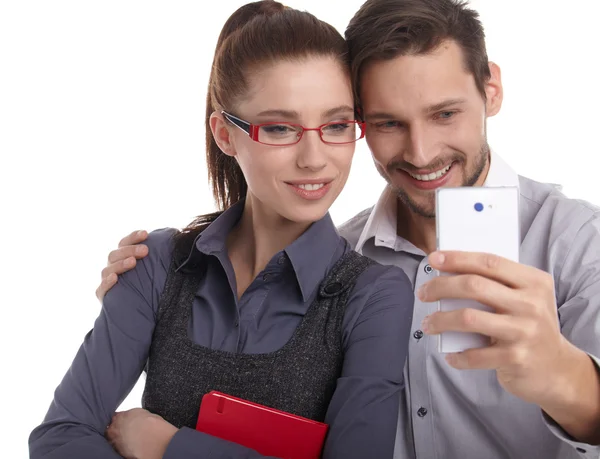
{"x": 425, "y": 88}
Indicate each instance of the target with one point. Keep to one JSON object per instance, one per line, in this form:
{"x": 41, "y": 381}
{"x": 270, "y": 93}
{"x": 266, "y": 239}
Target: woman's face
{"x": 298, "y": 182}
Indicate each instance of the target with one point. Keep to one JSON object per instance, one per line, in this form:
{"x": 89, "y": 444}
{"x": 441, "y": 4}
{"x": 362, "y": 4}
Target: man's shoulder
{"x": 353, "y": 228}
{"x": 547, "y": 201}
{"x": 554, "y": 225}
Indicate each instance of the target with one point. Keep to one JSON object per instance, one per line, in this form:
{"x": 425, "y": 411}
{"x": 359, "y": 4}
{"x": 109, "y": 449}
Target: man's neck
{"x": 421, "y": 231}
{"x": 416, "y": 229}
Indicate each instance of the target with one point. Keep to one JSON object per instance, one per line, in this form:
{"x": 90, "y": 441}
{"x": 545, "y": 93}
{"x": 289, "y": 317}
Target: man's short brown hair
{"x": 385, "y": 29}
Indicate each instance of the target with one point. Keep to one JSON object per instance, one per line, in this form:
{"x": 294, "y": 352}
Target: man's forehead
{"x": 444, "y": 60}
{"x": 424, "y": 87}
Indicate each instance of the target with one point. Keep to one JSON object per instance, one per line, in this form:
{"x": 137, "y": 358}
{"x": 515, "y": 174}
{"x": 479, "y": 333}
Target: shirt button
{"x": 418, "y": 334}
{"x": 428, "y": 269}
{"x": 422, "y": 412}
{"x": 237, "y": 323}
{"x": 581, "y": 450}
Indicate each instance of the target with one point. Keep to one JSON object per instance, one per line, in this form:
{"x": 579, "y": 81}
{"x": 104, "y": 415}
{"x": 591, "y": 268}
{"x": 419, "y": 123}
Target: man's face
{"x": 426, "y": 123}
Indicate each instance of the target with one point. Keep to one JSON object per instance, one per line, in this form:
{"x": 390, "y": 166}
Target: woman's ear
{"x": 222, "y": 134}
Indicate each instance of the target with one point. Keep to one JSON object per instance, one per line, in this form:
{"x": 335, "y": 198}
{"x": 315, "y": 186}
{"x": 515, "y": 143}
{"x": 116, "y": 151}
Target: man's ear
{"x": 222, "y": 134}
{"x": 494, "y": 91}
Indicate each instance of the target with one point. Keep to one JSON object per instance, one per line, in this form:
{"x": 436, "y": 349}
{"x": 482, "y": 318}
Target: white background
{"x": 101, "y": 133}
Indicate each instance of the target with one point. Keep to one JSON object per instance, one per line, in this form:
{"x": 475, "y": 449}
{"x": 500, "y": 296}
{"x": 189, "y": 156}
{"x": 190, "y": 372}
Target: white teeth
{"x": 311, "y": 187}
{"x": 432, "y": 176}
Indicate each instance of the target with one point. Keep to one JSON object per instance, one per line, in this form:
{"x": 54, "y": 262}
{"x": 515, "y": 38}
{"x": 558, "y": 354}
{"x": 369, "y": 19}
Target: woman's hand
{"x": 139, "y": 434}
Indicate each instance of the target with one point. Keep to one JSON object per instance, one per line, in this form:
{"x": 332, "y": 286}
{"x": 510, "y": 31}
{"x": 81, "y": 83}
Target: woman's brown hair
{"x": 257, "y": 34}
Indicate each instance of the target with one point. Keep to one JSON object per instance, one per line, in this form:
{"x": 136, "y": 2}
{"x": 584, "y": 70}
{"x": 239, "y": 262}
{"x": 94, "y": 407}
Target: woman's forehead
{"x": 312, "y": 86}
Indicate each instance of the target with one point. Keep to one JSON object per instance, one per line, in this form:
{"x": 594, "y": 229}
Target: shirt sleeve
{"x": 578, "y": 296}
{"x": 191, "y": 444}
{"x": 107, "y": 366}
{"x": 108, "y": 363}
{"x": 363, "y": 412}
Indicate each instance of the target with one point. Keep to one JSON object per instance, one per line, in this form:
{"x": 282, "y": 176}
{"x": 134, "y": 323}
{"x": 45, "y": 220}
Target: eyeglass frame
{"x": 253, "y": 129}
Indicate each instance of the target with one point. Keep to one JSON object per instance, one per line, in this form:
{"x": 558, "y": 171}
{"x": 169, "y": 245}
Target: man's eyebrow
{"x": 378, "y": 116}
{"x": 444, "y": 104}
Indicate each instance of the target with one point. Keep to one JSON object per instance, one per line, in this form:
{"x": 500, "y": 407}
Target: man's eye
{"x": 445, "y": 115}
{"x": 387, "y": 125}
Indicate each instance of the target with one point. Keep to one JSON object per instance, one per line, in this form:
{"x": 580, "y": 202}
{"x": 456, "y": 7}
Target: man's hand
{"x": 532, "y": 359}
{"x": 121, "y": 260}
{"x": 139, "y": 434}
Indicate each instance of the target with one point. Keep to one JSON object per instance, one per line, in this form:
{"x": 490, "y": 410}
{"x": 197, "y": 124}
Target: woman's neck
{"x": 258, "y": 236}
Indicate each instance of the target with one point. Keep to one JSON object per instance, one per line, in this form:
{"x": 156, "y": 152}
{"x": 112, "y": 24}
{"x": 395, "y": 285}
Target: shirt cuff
{"x": 188, "y": 443}
{"x": 585, "y": 450}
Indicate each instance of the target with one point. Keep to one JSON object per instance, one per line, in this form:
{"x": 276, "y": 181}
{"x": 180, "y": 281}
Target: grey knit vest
{"x": 299, "y": 378}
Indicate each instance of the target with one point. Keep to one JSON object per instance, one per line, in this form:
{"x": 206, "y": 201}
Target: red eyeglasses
{"x": 279, "y": 134}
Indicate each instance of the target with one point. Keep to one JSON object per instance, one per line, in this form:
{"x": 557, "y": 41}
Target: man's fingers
{"x": 127, "y": 251}
{"x": 119, "y": 261}
{"x": 473, "y": 287}
{"x": 110, "y": 273}
{"x": 487, "y": 358}
{"x": 499, "y": 326}
{"x": 134, "y": 238}
{"x": 119, "y": 267}
{"x": 505, "y": 271}
{"x": 106, "y": 284}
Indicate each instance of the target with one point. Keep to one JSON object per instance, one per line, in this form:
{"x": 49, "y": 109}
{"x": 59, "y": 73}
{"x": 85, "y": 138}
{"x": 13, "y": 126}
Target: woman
{"x": 263, "y": 301}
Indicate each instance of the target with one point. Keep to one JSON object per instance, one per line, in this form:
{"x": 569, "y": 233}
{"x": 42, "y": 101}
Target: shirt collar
{"x": 212, "y": 240}
{"x": 500, "y": 173}
{"x": 382, "y": 222}
{"x": 310, "y": 255}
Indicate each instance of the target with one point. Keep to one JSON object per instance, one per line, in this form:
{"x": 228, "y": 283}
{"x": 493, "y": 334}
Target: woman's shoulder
{"x": 153, "y": 268}
{"x": 378, "y": 276}
{"x": 380, "y": 286}
{"x": 381, "y": 302}
{"x": 160, "y": 244}
{"x": 161, "y": 237}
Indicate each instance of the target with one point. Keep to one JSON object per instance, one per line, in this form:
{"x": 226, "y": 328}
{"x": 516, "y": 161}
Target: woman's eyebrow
{"x": 294, "y": 115}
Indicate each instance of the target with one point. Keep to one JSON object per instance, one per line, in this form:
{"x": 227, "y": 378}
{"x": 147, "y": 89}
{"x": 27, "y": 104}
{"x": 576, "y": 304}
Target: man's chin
{"x": 421, "y": 205}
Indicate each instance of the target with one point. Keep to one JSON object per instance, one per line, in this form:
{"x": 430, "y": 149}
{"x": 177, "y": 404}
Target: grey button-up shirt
{"x": 364, "y": 410}
{"x": 457, "y": 414}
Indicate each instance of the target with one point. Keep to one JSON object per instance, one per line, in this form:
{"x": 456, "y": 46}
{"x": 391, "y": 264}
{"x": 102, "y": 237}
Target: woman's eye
{"x": 276, "y": 128}
{"x": 337, "y": 127}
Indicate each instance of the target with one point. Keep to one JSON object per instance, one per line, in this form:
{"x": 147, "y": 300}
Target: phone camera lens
{"x": 478, "y": 207}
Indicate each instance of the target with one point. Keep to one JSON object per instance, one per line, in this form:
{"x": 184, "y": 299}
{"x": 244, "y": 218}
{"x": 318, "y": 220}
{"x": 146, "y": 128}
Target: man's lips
{"x": 427, "y": 180}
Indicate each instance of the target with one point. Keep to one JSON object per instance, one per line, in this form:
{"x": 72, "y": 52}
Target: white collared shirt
{"x": 454, "y": 414}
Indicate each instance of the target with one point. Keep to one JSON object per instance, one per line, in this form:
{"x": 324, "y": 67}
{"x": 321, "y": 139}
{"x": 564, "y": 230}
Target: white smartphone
{"x": 475, "y": 219}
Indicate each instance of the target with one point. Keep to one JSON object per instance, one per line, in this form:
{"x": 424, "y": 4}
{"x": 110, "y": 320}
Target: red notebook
{"x": 266, "y": 430}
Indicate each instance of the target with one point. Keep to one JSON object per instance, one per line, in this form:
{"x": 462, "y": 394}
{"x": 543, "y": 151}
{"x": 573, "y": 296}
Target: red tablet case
{"x": 266, "y": 430}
